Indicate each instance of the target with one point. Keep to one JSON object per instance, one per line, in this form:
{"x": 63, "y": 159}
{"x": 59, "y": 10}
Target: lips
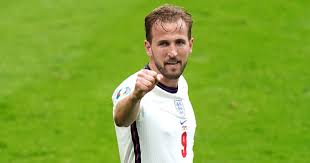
{"x": 172, "y": 62}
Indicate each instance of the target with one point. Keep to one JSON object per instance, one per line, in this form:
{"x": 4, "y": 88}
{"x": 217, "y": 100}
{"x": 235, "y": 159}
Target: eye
{"x": 180, "y": 42}
{"x": 163, "y": 43}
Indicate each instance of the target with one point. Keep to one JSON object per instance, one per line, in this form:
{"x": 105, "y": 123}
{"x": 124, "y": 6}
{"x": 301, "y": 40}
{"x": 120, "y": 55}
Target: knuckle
{"x": 140, "y": 73}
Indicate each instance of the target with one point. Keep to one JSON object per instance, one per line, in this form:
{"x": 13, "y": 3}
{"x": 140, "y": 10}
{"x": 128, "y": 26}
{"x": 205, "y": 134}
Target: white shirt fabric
{"x": 164, "y": 129}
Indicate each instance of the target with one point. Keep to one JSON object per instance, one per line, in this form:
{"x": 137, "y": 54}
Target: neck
{"x": 165, "y": 81}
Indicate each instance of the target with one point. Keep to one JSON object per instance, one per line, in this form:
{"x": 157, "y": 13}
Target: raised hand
{"x": 146, "y": 81}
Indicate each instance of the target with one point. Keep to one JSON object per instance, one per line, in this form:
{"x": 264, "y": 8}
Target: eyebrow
{"x": 162, "y": 41}
{"x": 180, "y": 39}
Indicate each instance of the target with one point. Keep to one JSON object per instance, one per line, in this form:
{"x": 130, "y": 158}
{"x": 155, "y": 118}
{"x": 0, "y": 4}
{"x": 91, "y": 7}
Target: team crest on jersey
{"x": 123, "y": 92}
{"x": 180, "y": 107}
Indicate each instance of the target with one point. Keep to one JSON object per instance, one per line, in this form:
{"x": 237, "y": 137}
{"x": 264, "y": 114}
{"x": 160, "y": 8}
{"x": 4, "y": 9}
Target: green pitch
{"x": 249, "y": 78}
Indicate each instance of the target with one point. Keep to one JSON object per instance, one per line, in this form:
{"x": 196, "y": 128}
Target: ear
{"x": 191, "y": 41}
{"x": 148, "y": 48}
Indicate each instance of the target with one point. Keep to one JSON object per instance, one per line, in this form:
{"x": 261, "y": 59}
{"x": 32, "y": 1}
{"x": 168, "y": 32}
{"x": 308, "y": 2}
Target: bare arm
{"x": 127, "y": 109}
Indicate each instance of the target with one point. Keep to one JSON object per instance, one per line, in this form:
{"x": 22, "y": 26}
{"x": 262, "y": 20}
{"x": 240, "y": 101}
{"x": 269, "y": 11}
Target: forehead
{"x": 169, "y": 30}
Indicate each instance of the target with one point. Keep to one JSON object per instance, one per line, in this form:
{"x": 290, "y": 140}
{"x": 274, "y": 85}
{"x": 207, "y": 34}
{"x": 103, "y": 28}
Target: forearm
{"x": 126, "y": 111}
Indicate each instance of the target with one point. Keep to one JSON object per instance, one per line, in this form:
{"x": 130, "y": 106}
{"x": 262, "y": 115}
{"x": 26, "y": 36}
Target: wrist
{"x": 135, "y": 98}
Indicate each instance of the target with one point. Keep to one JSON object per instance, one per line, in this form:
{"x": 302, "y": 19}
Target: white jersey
{"x": 164, "y": 129}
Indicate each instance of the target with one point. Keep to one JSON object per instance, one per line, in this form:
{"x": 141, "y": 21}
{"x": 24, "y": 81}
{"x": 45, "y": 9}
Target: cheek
{"x": 159, "y": 53}
{"x": 184, "y": 52}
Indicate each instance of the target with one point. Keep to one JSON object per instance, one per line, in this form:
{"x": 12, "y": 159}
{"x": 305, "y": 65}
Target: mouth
{"x": 172, "y": 62}
{"x": 173, "y": 65}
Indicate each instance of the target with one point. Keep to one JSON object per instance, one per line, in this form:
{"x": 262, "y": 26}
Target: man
{"x": 154, "y": 119}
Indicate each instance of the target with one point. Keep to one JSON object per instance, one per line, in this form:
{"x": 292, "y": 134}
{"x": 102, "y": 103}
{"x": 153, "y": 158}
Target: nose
{"x": 172, "y": 51}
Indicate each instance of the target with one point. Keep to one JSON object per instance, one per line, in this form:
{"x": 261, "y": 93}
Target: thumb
{"x": 159, "y": 77}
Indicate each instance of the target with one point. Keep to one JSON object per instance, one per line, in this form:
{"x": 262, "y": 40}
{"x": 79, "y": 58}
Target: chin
{"x": 172, "y": 75}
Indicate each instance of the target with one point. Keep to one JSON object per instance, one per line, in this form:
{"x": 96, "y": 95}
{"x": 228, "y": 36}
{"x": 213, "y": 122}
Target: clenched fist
{"x": 146, "y": 81}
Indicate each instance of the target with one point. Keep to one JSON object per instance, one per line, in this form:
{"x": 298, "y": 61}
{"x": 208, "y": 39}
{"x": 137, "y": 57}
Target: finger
{"x": 140, "y": 90}
{"x": 141, "y": 87}
{"x": 148, "y": 78}
{"x": 147, "y": 72}
{"x": 150, "y": 72}
{"x": 147, "y": 83}
{"x": 159, "y": 77}
{"x": 148, "y": 75}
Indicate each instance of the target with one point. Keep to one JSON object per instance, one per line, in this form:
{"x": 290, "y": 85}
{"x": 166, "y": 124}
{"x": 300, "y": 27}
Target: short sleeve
{"x": 124, "y": 89}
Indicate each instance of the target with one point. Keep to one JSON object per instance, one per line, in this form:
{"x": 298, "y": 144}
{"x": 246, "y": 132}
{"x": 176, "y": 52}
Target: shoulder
{"x": 124, "y": 88}
{"x": 183, "y": 82}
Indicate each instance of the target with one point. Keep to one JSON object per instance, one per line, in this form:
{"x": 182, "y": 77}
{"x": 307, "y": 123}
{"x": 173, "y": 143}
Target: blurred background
{"x": 248, "y": 76}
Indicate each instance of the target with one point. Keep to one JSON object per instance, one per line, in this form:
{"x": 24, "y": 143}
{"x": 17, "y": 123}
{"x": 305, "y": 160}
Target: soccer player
{"x": 154, "y": 118}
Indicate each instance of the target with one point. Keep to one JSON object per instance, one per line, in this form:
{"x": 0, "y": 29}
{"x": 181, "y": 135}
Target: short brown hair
{"x": 167, "y": 13}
